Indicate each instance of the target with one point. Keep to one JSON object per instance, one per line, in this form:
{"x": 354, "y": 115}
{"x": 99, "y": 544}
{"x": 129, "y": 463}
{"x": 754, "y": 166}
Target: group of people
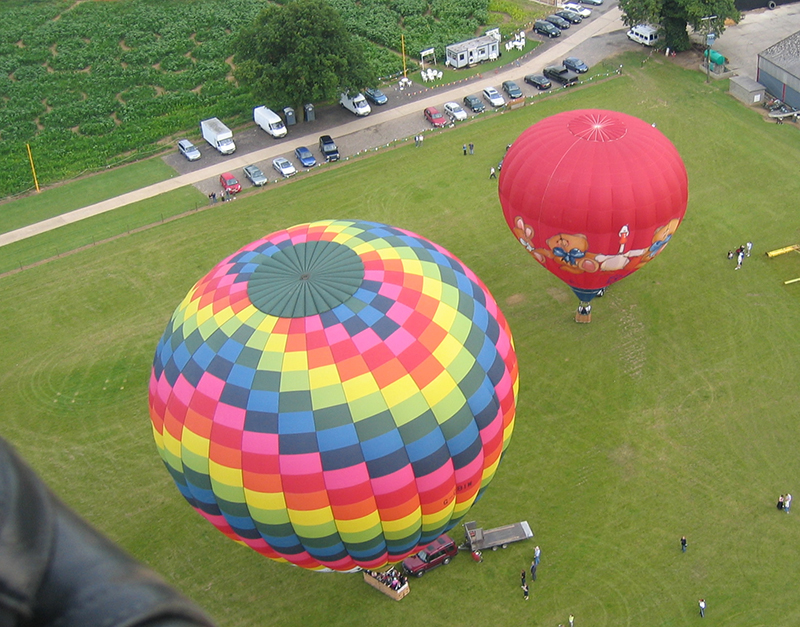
{"x": 785, "y": 502}
{"x": 537, "y": 555}
{"x": 418, "y": 139}
{"x": 222, "y": 196}
{"x": 391, "y": 578}
{"x": 740, "y": 253}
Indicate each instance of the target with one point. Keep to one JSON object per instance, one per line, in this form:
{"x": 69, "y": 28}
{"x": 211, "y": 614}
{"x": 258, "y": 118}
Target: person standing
{"x": 492, "y": 173}
{"x": 739, "y": 257}
{"x": 537, "y": 554}
{"x": 748, "y": 248}
{"x": 683, "y": 544}
{"x": 525, "y": 591}
{"x": 471, "y": 148}
{"x": 780, "y": 502}
{"x": 571, "y": 621}
{"x": 421, "y": 137}
{"x": 702, "y": 603}
{"x": 416, "y": 141}
{"x": 533, "y": 571}
{"x": 465, "y": 150}
{"x": 787, "y": 503}
{"x": 522, "y": 579}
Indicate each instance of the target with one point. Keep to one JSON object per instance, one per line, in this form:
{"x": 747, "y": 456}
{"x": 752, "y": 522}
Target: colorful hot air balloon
{"x": 593, "y": 195}
{"x": 335, "y": 395}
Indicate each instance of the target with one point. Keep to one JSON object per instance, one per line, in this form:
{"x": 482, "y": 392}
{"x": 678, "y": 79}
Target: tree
{"x": 675, "y": 15}
{"x": 300, "y": 52}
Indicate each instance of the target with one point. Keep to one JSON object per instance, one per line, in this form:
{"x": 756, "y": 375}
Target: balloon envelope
{"x": 593, "y": 195}
{"x": 335, "y": 395}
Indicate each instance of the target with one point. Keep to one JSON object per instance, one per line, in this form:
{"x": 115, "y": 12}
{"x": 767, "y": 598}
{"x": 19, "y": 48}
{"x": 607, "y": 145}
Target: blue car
{"x": 305, "y": 157}
{"x": 576, "y": 65}
{"x": 375, "y": 96}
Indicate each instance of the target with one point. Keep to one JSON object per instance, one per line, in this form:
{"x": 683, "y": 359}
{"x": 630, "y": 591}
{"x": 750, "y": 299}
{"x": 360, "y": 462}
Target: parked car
{"x": 493, "y": 97}
{"x": 434, "y": 116}
{"x": 560, "y": 74}
{"x": 284, "y": 167}
{"x": 576, "y": 65}
{"x": 438, "y": 553}
{"x": 512, "y": 89}
{"x": 375, "y": 96}
{"x": 304, "y": 156}
{"x": 229, "y": 183}
{"x": 558, "y": 22}
{"x": 570, "y": 16}
{"x": 474, "y": 103}
{"x": 546, "y": 28}
{"x": 578, "y": 8}
{"x": 255, "y": 175}
{"x": 328, "y": 148}
{"x": 188, "y": 150}
{"x": 595, "y": 3}
{"x": 538, "y": 81}
{"x": 454, "y": 111}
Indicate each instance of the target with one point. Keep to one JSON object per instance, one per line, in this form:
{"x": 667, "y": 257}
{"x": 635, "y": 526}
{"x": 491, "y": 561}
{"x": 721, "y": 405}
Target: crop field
{"x": 673, "y": 413}
{"x": 93, "y": 84}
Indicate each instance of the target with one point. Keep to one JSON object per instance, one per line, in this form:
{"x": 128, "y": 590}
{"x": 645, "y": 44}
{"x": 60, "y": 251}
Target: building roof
{"x": 486, "y": 40}
{"x": 785, "y": 54}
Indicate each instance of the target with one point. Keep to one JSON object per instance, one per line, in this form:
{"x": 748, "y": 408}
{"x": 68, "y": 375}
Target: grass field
{"x": 674, "y": 412}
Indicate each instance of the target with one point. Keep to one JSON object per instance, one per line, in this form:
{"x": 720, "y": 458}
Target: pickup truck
{"x": 560, "y": 74}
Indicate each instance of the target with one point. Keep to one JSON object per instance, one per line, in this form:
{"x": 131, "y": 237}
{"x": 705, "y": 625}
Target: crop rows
{"x": 91, "y": 84}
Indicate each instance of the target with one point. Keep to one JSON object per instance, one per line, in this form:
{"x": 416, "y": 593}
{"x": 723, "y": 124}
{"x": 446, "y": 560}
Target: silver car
{"x": 188, "y": 150}
{"x": 454, "y": 111}
{"x": 284, "y": 167}
{"x": 493, "y": 97}
{"x": 255, "y": 175}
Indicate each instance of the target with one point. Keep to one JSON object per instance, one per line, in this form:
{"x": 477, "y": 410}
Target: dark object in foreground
{"x": 56, "y": 570}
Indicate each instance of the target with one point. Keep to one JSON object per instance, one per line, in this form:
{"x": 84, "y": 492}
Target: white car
{"x": 578, "y": 8}
{"x": 284, "y": 166}
{"x": 454, "y": 111}
{"x": 493, "y": 97}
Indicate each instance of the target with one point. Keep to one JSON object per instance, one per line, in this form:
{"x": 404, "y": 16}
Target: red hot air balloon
{"x": 593, "y": 195}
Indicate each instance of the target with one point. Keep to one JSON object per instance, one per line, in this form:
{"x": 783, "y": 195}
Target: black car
{"x": 474, "y": 104}
{"x": 570, "y": 16}
{"x": 560, "y": 74}
{"x": 576, "y": 65}
{"x": 538, "y": 81}
{"x": 546, "y": 28}
{"x": 328, "y": 148}
{"x": 559, "y": 22}
{"x": 512, "y": 89}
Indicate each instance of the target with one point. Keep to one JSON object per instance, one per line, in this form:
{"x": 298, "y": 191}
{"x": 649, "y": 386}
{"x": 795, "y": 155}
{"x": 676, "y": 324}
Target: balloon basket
{"x": 583, "y": 318}
{"x": 390, "y": 592}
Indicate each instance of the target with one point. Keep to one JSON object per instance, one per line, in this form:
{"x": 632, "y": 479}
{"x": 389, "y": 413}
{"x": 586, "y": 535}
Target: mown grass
{"x": 674, "y": 412}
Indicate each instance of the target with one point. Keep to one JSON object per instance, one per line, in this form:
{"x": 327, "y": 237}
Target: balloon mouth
{"x": 305, "y": 279}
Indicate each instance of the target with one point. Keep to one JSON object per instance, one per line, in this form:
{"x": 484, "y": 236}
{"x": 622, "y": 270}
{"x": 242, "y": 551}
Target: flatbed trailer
{"x": 478, "y": 539}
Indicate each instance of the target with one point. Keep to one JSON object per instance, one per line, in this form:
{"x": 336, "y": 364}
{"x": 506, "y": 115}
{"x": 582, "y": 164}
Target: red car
{"x": 437, "y": 553}
{"x": 229, "y": 183}
{"x": 434, "y": 117}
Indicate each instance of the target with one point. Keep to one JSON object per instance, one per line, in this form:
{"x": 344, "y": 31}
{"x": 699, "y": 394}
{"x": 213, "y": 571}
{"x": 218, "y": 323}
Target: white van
{"x": 355, "y": 103}
{"x": 269, "y": 121}
{"x": 644, "y": 34}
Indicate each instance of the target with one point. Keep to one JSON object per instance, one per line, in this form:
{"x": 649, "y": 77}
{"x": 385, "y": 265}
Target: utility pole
{"x": 709, "y": 40}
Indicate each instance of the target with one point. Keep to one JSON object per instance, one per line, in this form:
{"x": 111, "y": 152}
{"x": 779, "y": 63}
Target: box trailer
{"x": 479, "y": 539}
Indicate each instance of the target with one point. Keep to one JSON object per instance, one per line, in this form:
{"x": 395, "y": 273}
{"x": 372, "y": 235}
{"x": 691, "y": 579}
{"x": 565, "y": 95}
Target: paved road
{"x": 597, "y": 38}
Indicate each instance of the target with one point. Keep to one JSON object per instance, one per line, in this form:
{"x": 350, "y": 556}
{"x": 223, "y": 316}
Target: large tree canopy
{"x": 675, "y": 15}
{"x": 300, "y": 52}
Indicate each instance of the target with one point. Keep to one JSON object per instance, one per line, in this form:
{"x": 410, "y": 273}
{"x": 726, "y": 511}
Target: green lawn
{"x": 674, "y": 412}
{"x": 82, "y": 192}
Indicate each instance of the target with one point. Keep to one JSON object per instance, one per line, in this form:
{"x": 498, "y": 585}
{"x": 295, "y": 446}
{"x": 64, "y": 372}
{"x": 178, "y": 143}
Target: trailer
{"x": 478, "y": 539}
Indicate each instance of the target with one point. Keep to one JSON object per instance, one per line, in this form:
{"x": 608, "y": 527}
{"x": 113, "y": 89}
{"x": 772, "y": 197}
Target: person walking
{"x": 683, "y": 544}
{"x": 492, "y": 173}
{"x": 421, "y": 137}
{"x": 537, "y": 554}
{"x": 522, "y": 579}
{"x": 416, "y": 141}
{"x": 702, "y": 604}
{"x": 525, "y": 591}
{"x": 787, "y": 503}
{"x": 471, "y": 148}
{"x": 748, "y": 248}
{"x": 739, "y": 257}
